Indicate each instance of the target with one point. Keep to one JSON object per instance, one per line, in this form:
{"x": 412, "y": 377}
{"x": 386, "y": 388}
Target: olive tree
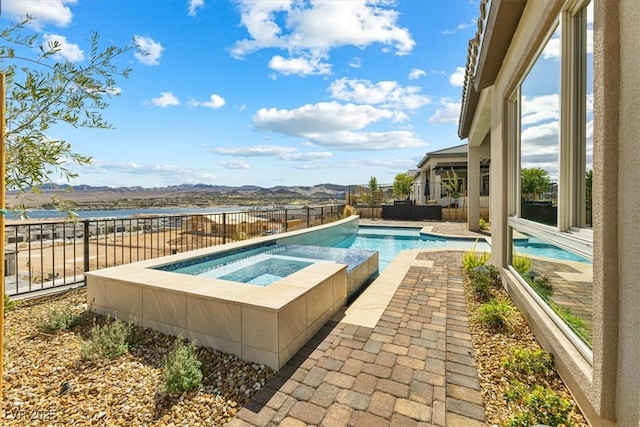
{"x": 534, "y": 182}
{"x": 402, "y": 185}
{"x": 43, "y": 90}
{"x": 373, "y": 188}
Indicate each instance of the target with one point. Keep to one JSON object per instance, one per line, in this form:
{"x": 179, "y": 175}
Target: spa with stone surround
{"x": 261, "y": 324}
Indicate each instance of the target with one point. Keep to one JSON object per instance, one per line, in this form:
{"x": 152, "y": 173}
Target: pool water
{"x": 533, "y": 246}
{"x": 263, "y": 273}
{"x": 265, "y": 264}
{"x": 389, "y": 241}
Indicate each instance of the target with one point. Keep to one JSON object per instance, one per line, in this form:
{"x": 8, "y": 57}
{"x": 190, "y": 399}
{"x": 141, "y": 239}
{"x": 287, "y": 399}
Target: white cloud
{"x": 335, "y": 125}
{"x": 395, "y": 164}
{"x": 55, "y": 12}
{"x": 235, "y": 164}
{"x": 457, "y": 78}
{"x": 300, "y": 66}
{"x": 194, "y": 5}
{"x": 460, "y": 27}
{"x": 552, "y": 49}
{"x": 313, "y": 155}
{"x": 388, "y": 94}
{"x": 367, "y": 141}
{"x": 320, "y": 118}
{"x": 281, "y": 152}
{"x": 355, "y": 62}
{"x": 540, "y": 108}
{"x": 215, "y": 102}
{"x": 255, "y": 151}
{"x": 448, "y": 112}
{"x": 166, "y": 99}
{"x": 149, "y": 52}
{"x": 416, "y": 73}
{"x": 66, "y": 50}
{"x": 311, "y": 29}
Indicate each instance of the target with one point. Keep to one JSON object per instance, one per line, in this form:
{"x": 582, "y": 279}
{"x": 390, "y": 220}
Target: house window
{"x": 550, "y": 162}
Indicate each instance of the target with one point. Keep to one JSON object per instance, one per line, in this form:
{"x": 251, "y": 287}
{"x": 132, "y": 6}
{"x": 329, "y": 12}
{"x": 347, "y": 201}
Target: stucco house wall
{"x": 607, "y": 387}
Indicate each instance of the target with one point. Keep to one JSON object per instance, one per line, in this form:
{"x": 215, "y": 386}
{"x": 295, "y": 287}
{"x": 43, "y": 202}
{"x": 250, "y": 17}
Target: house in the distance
{"x": 438, "y": 168}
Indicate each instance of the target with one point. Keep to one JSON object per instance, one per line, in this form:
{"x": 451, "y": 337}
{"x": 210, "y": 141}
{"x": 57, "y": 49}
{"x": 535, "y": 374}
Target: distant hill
{"x": 183, "y": 195}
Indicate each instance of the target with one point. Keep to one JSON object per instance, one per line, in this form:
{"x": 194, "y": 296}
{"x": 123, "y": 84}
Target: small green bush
{"x": 521, "y": 263}
{"x": 9, "y": 304}
{"x": 348, "y": 211}
{"x": 542, "y": 286}
{"x": 484, "y": 225}
{"x": 538, "y": 405}
{"x": 57, "y": 320}
{"x": 182, "y": 368}
{"x": 574, "y": 322}
{"x": 481, "y": 283}
{"x": 525, "y": 361}
{"x": 109, "y": 341}
{"x": 471, "y": 259}
{"x": 497, "y": 314}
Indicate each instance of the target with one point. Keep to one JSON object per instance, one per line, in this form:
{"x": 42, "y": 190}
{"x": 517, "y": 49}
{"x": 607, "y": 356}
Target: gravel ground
{"x": 46, "y": 382}
{"x": 491, "y": 348}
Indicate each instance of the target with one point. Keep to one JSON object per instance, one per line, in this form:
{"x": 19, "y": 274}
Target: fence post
{"x": 286, "y": 222}
{"x": 224, "y": 228}
{"x": 321, "y": 215}
{"x": 85, "y": 244}
{"x": 308, "y": 217}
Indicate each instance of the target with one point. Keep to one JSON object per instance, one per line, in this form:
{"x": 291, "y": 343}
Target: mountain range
{"x": 183, "y": 195}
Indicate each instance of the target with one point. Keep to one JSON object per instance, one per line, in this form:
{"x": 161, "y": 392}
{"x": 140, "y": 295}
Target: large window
{"x": 551, "y": 161}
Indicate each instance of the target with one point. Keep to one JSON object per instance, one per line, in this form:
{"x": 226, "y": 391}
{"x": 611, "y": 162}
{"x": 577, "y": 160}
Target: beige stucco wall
{"x": 628, "y": 213}
{"x": 608, "y": 389}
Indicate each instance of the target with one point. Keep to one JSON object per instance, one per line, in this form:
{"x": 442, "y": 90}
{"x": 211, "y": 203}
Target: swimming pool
{"x": 389, "y": 241}
{"x": 536, "y": 247}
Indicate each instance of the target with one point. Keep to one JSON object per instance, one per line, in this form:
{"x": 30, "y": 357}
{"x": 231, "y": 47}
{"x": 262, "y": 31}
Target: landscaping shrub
{"x": 348, "y": 211}
{"x": 471, "y": 259}
{"x": 57, "y": 320}
{"x": 574, "y": 322}
{"x": 182, "y": 368}
{"x": 482, "y": 283}
{"x": 537, "y": 405}
{"x": 497, "y": 314}
{"x": 9, "y": 304}
{"x": 108, "y": 341}
{"x": 541, "y": 285}
{"x": 527, "y": 362}
{"x": 521, "y": 263}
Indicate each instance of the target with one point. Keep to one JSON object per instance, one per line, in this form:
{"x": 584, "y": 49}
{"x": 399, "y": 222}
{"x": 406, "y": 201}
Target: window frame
{"x": 571, "y": 232}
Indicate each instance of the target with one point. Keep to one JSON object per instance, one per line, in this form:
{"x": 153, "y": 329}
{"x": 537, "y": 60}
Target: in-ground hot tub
{"x": 262, "y": 324}
{"x": 268, "y": 263}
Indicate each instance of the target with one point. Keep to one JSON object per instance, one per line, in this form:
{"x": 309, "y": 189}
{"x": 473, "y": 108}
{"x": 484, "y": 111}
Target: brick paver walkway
{"x": 416, "y": 367}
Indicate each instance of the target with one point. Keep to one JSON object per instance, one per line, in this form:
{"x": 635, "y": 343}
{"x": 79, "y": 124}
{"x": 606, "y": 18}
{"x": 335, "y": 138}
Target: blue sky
{"x": 265, "y": 92}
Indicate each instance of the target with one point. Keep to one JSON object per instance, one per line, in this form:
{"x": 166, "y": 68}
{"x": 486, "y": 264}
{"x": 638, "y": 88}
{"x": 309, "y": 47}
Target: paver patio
{"x": 414, "y": 367}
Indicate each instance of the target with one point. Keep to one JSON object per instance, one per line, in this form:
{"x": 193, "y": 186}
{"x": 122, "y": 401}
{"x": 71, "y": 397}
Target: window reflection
{"x": 539, "y": 133}
{"x": 588, "y": 28}
{"x": 562, "y": 279}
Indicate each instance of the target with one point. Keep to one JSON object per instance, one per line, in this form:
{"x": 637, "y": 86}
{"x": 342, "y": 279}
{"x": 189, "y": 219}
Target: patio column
{"x": 473, "y": 188}
{"x": 423, "y": 182}
{"x": 434, "y": 187}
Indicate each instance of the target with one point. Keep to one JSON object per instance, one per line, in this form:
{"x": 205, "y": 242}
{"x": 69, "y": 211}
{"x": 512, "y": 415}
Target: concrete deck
{"x": 400, "y": 355}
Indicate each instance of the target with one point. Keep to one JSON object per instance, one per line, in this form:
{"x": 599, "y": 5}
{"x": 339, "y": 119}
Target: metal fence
{"x": 43, "y": 255}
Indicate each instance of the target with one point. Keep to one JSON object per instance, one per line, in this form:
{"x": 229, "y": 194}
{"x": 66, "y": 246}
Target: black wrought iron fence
{"x": 50, "y": 254}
